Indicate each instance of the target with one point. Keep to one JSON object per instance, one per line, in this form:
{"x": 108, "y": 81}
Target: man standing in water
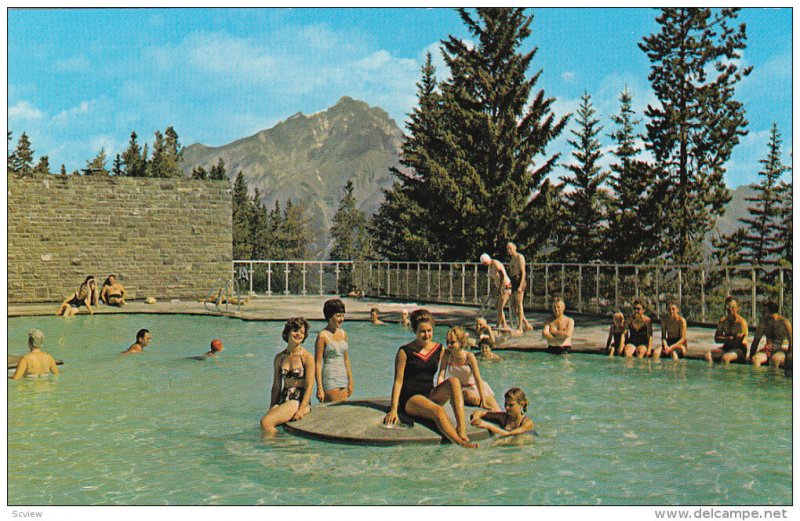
{"x": 37, "y": 362}
{"x": 503, "y": 285}
{"x": 518, "y": 284}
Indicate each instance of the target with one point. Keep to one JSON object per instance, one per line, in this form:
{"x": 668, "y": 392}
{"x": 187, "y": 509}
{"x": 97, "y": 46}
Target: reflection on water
{"x": 160, "y": 429}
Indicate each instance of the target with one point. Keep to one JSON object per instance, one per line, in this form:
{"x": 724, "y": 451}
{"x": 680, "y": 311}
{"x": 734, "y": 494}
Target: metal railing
{"x": 589, "y": 288}
{"x": 222, "y": 298}
{"x": 293, "y": 277}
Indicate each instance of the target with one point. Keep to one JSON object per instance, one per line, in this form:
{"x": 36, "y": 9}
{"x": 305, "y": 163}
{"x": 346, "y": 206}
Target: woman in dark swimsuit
{"x": 85, "y": 296}
{"x": 639, "y": 332}
{"x": 413, "y": 392}
{"x": 293, "y": 380}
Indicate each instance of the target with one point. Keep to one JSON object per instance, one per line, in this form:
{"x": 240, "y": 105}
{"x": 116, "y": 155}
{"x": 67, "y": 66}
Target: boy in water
{"x": 37, "y": 362}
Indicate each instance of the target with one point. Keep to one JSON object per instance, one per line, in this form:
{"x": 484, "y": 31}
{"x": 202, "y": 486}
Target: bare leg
{"x": 278, "y": 415}
{"x": 502, "y": 298}
{"x": 641, "y": 351}
{"x": 450, "y": 390}
{"x": 777, "y": 359}
{"x": 630, "y": 350}
{"x": 758, "y": 359}
{"x": 335, "y": 395}
{"x": 418, "y": 405}
{"x": 657, "y": 353}
{"x": 730, "y": 356}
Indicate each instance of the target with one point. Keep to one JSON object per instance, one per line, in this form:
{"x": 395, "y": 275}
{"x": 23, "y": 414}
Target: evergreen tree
{"x": 694, "y": 128}
{"x": 22, "y": 158}
{"x": 156, "y": 167}
{"x": 784, "y": 226}
{"x": 543, "y": 218}
{"x": 97, "y": 166}
{"x": 762, "y": 239}
{"x": 633, "y": 212}
{"x": 173, "y": 154}
{"x": 241, "y": 208}
{"x": 116, "y": 169}
{"x": 63, "y": 169}
{"x": 218, "y": 172}
{"x": 11, "y": 156}
{"x": 584, "y": 216}
{"x": 295, "y": 232}
{"x": 259, "y": 232}
{"x": 274, "y": 231}
{"x": 348, "y": 229}
{"x": 134, "y": 159}
{"x": 42, "y": 167}
{"x": 199, "y": 172}
{"x": 472, "y": 146}
{"x": 727, "y": 250}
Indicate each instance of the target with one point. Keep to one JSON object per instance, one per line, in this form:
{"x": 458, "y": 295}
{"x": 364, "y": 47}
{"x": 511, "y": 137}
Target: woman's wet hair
{"x": 332, "y": 307}
{"x": 295, "y": 324}
{"x": 419, "y": 316}
{"x": 459, "y": 334}
{"x": 518, "y": 395}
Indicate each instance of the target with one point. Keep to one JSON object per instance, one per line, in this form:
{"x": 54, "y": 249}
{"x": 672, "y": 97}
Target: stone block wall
{"x": 166, "y": 238}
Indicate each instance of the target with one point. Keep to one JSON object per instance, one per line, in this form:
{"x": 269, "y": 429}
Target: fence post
{"x": 580, "y": 287}
{"x": 353, "y": 271}
{"x": 597, "y": 288}
{"x": 269, "y": 278}
{"x": 388, "y": 279}
{"x": 417, "y": 289}
{"x": 408, "y": 279}
{"x": 780, "y": 290}
{"x": 439, "y": 282}
{"x": 304, "y": 278}
{"x": 680, "y": 288}
{"x": 428, "y": 281}
{"x": 463, "y": 284}
{"x": 562, "y": 283}
{"x": 703, "y": 295}
{"x": 475, "y": 283}
{"x": 286, "y": 279}
{"x": 321, "y": 266}
{"x": 727, "y": 282}
{"x": 450, "y": 282}
{"x": 251, "y": 278}
{"x": 658, "y": 294}
{"x": 616, "y": 287}
{"x": 753, "y": 296}
{"x": 546, "y": 285}
{"x": 636, "y": 281}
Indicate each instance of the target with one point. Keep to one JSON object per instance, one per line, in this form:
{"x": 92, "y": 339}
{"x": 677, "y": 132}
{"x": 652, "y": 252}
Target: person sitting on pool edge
{"x": 615, "y": 342}
{"x": 558, "y": 329}
{"x": 143, "y": 338}
{"x": 293, "y": 379}
{"x": 673, "y": 335}
{"x": 332, "y": 356}
{"x": 639, "y": 331}
{"x": 777, "y": 329}
{"x": 413, "y": 392}
{"x": 732, "y": 332}
{"x": 375, "y": 317}
{"x": 37, "y": 362}
{"x": 112, "y": 293}
{"x": 85, "y": 296}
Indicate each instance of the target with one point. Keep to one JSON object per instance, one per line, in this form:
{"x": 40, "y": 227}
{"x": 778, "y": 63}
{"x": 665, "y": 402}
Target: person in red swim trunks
{"x": 777, "y": 329}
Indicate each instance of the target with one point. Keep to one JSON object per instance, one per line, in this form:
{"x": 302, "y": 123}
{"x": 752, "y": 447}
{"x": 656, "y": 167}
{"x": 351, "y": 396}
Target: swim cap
{"x": 216, "y": 345}
{"x": 36, "y": 337}
{"x": 485, "y": 258}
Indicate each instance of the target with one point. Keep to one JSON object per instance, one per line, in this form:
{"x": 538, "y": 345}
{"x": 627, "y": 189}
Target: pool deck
{"x": 590, "y": 332}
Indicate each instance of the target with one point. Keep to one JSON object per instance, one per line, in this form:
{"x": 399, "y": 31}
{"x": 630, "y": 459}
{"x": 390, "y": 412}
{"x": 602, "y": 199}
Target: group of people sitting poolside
{"x": 111, "y": 294}
{"x": 416, "y": 390}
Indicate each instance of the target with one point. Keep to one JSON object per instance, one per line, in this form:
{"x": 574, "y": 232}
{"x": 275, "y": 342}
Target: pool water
{"x": 157, "y": 429}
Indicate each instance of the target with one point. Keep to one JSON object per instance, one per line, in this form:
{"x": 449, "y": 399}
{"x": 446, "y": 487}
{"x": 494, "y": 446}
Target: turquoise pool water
{"x": 157, "y": 429}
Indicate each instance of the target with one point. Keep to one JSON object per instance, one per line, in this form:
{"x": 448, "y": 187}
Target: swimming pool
{"x": 157, "y": 429}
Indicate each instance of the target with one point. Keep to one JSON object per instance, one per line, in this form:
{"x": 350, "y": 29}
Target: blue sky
{"x": 83, "y": 79}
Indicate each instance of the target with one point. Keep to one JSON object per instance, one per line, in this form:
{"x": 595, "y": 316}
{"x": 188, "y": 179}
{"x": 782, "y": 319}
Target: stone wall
{"x": 166, "y": 238}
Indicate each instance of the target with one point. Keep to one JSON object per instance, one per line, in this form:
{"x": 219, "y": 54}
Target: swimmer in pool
{"x": 37, "y": 362}
{"x": 486, "y": 340}
{"x": 332, "y": 356}
{"x": 375, "y": 317}
{"x": 216, "y": 348}
{"x": 413, "y": 390}
{"x": 511, "y": 422}
{"x": 143, "y": 338}
{"x": 293, "y": 379}
{"x": 404, "y": 320}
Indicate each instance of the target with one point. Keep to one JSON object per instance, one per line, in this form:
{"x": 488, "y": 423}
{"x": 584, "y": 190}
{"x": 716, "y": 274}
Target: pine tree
{"x": 633, "y": 210}
{"x": 116, "y": 169}
{"x": 200, "y": 173}
{"x": 63, "y": 169}
{"x": 543, "y": 218}
{"x": 259, "y": 232}
{"x": 218, "y": 172}
{"x": 697, "y": 123}
{"x": 472, "y": 148}
{"x": 275, "y": 245}
{"x": 134, "y": 159}
{"x": 586, "y": 204}
{"x": 22, "y": 158}
{"x": 240, "y": 220}
{"x": 295, "y": 232}
{"x": 42, "y": 167}
{"x": 97, "y": 166}
{"x": 173, "y": 154}
{"x": 762, "y": 241}
{"x": 348, "y": 229}
{"x": 784, "y": 226}
{"x": 11, "y": 156}
{"x": 156, "y": 167}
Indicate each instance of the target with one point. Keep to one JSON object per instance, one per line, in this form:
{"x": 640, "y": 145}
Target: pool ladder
{"x": 220, "y": 298}
{"x": 488, "y": 305}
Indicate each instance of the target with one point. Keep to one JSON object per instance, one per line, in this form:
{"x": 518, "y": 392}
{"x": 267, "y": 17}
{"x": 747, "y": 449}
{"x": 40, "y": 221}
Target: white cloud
{"x": 77, "y": 63}
{"x": 24, "y": 111}
{"x": 68, "y": 115}
{"x": 568, "y": 76}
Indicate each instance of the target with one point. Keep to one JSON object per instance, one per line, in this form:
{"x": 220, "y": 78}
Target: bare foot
{"x": 468, "y": 445}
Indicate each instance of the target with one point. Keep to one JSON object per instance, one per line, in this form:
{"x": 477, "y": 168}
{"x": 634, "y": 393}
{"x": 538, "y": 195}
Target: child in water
{"x": 462, "y": 364}
{"x": 486, "y": 340}
{"x": 615, "y": 340}
{"x": 513, "y": 421}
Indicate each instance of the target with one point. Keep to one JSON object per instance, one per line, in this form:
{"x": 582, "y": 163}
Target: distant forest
{"x": 477, "y": 175}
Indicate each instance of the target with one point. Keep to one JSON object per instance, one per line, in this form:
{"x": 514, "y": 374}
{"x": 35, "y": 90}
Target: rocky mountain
{"x": 735, "y": 209}
{"x": 310, "y": 158}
